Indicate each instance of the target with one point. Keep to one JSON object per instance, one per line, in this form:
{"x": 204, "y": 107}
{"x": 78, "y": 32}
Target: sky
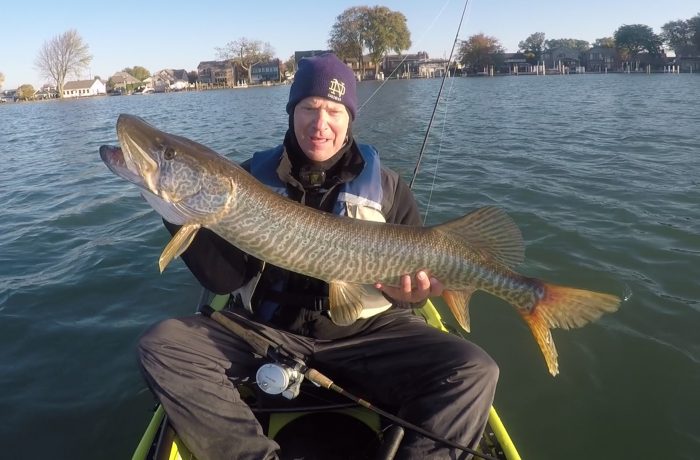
{"x": 159, "y": 35}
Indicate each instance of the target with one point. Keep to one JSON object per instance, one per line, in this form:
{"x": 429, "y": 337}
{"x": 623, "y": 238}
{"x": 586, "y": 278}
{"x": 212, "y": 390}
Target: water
{"x": 599, "y": 171}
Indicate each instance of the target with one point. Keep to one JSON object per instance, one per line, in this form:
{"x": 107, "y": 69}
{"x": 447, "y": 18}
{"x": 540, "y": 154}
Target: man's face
{"x": 320, "y": 126}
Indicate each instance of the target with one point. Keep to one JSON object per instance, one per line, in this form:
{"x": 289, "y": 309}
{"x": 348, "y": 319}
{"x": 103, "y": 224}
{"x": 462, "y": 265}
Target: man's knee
{"x": 488, "y": 369}
{"x": 157, "y": 338}
{"x": 478, "y": 367}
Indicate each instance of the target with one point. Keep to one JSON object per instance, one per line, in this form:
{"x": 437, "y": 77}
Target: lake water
{"x": 600, "y": 172}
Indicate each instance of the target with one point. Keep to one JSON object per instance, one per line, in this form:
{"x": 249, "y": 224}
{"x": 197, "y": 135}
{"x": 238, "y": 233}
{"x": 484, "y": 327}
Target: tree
{"x": 631, "y": 40}
{"x": 138, "y": 72}
{"x": 347, "y": 38}
{"x": 695, "y": 27}
{"x": 25, "y": 93}
{"x": 605, "y": 42}
{"x": 480, "y": 51}
{"x": 682, "y": 36}
{"x": 386, "y": 31}
{"x": 246, "y": 53}
{"x": 375, "y": 29}
{"x": 2, "y": 79}
{"x": 580, "y": 45}
{"x": 533, "y": 47}
{"x": 289, "y": 66}
{"x": 63, "y": 54}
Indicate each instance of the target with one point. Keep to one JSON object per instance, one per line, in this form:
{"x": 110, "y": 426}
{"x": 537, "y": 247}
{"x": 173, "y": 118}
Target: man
{"x": 438, "y": 381}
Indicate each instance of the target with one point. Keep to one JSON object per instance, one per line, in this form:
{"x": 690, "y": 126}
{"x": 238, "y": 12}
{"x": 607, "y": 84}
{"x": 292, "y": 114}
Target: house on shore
{"x": 515, "y": 64}
{"x": 563, "y": 59}
{"x": 170, "y": 80}
{"x": 299, "y": 55}
{"x": 216, "y": 74}
{"x": 82, "y": 88}
{"x": 432, "y": 68}
{"x": 600, "y": 59}
{"x": 265, "y": 72}
{"x": 687, "y": 59}
{"x": 403, "y": 65}
{"x": 120, "y": 81}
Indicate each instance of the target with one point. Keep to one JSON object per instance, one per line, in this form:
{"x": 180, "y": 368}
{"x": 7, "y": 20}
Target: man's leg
{"x": 438, "y": 381}
{"x": 188, "y": 363}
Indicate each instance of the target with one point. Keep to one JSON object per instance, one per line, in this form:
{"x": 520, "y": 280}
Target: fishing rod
{"x": 437, "y": 101}
{"x": 284, "y": 375}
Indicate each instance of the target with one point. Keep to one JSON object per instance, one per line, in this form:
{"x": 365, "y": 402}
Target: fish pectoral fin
{"x": 345, "y": 302}
{"x": 178, "y": 244}
{"x": 458, "y": 301}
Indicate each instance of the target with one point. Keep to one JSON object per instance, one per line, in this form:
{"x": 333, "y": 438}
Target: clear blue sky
{"x": 179, "y": 35}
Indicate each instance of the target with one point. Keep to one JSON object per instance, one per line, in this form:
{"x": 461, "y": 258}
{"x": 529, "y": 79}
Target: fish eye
{"x": 169, "y": 153}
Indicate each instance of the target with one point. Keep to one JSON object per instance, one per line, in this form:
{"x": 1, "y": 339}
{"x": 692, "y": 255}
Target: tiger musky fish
{"x": 193, "y": 186}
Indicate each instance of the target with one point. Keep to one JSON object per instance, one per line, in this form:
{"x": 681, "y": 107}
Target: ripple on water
{"x": 598, "y": 171}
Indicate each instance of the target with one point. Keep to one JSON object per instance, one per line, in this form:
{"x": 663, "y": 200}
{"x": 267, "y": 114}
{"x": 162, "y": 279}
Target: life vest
{"x": 359, "y": 198}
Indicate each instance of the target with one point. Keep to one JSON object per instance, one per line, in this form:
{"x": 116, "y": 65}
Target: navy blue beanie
{"x": 324, "y": 76}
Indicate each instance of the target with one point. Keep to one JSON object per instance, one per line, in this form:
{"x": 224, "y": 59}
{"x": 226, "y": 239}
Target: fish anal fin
{"x": 178, "y": 244}
{"x": 458, "y": 301}
{"x": 345, "y": 302}
{"x": 543, "y": 337}
{"x": 490, "y": 232}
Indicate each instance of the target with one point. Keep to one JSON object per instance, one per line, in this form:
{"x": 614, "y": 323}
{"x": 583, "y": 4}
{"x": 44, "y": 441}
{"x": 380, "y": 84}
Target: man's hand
{"x": 411, "y": 291}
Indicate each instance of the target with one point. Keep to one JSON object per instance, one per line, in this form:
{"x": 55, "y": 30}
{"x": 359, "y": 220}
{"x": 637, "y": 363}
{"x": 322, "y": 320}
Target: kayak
{"x": 319, "y": 424}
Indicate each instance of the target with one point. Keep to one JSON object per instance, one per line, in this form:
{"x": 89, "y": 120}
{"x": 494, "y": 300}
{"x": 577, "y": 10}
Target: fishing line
{"x": 437, "y": 159}
{"x": 437, "y": 101}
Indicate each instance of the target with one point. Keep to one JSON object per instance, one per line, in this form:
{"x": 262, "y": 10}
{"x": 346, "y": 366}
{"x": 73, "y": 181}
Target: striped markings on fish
{"x": 193, "y": 186}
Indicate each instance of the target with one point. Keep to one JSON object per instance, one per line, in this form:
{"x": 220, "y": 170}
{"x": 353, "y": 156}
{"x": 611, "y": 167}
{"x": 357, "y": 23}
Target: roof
{"x": 171, "y": 74}
{"x": 79, "y": 84}
{"x": 214, "y": 66}
{"x": 124, "y": 77}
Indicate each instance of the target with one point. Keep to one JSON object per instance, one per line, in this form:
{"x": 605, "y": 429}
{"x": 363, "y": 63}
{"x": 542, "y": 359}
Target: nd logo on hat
{"x": 336, "y": 89}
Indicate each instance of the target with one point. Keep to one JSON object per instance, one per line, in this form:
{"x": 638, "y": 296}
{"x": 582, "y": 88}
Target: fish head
{"x": 183, "y": 180}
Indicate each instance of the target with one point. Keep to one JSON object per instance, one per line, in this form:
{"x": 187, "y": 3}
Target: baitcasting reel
{"x": 281, "y": 378}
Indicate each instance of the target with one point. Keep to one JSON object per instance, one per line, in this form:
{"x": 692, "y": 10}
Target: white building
{"x": 83, "y": 88}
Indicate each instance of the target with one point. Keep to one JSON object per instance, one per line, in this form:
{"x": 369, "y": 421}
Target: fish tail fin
{"x": 564, "y": 308}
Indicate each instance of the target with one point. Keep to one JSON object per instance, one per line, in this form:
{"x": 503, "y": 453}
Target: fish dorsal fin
{"x": 178, "y": 244}
{"x": 490, "y": 232}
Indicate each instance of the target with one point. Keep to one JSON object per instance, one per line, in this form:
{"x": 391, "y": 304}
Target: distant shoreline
{"x": 553, "y": 73}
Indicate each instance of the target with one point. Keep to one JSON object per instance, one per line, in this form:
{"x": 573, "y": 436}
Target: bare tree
{"x": 246, "y": 53}
{"x": 63, "y": 54}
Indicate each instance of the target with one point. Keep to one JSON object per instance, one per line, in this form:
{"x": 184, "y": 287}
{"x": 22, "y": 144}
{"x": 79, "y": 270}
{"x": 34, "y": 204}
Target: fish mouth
{"x": 139, "y": 142}
{"x": 113, "y": 157}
